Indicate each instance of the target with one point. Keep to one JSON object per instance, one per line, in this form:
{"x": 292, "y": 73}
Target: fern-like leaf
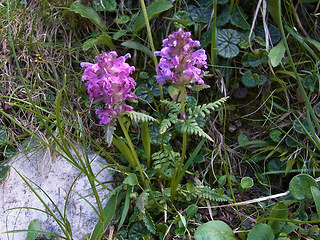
{"x": 166, "y": 123}
{"x": 198, "y": 88}
{"x": 210, "y": 194}
{"x": 164, "y": 162}
{"x": 173, "y": 106}
{"x": 140, "y": 117}
{"x": 206, "y": 109}
{"x": 190, "y": 126}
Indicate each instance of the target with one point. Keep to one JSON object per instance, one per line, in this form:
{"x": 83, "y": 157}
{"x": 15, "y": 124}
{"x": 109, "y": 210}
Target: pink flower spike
{"x": 108, "y": 80}
{"x": 179, "y": 62}
{"x": 103, "y": 115}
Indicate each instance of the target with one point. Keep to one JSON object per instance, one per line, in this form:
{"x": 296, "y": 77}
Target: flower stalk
{"x": 180, "y": 65}
{"x": 176, "y": 176}
{"x": 132, "y": 149}
{"x": 109, "y": 82}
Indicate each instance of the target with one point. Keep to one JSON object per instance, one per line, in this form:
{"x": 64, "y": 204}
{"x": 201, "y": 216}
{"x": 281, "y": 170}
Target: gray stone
{"x": 54, "y": 175}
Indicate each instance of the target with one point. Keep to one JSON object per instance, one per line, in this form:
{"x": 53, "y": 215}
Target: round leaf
{"x": 280, "y": 211}
{"x": 301, "y": 126}
{"x": 131, "y": 180}
{"x": 261, "y": 80}
{"x": 275, "y": 165}
{"x": 316, "y": 109}
{"x": 244, "y": 41}
{"x": 227, "y": 40}
{"x": 191, "y": 210}
{"x": 275, "y": 135}
{"x": 309, "y": 82}
{"x": 144, "y": 95}
{"x": 144, "y": 75}
{"x": 3, "y": 136}
{"x": 292, "y": 142}
{"x": 222, "y": 180}
{"x": 4, "y": 171}
{"x": 273, "y": 30}
{"x": 300, "y": 186}
{"x": 214, "y": 230}
{"x": 200, "y": 15}
{"x": 246, "y": 182}
{"x": 250, "y": 79}
{"x": 224, "y": 17}
{"x": 261, "y": 232}
{"x": 137, "y": 230}
{"x": 34, "y": 229}
{"x": 250, "y": 60}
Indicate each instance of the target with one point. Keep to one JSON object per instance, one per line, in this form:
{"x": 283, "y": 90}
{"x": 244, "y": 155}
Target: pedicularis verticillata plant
{"x": 109, "y": 82}
{"x": 180, "y": 63}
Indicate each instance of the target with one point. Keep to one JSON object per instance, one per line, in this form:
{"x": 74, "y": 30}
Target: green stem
{"x": 304, "y": 94}
{"x": 183, "y": 91}
{"x": 132, "y": 149}
{"x": 213, "y": 40}
{"x": 226, "y": 164}
{"x": 146, "y": 18}
{"x": 176, "y": 178}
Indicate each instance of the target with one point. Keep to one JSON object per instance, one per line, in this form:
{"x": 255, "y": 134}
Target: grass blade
{"x": 145, "y": 136}
{"x": 155, "y": 8}
{"x": 124, "y": 149}
{"x": 109, "y": 211}
{"x": 125, "y": 210}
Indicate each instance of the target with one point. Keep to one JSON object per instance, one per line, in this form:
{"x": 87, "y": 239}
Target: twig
{"x": 252, "y": 201}
{"x": 111, "y": 229}
{"x": 255, "y": 200}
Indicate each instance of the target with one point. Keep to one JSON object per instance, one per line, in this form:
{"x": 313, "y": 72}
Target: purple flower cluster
{"x": 179, "y": 62}
{"x": 108, "y": 81}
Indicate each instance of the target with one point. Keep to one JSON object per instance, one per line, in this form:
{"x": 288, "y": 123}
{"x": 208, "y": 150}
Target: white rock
{"x": 55, "y": 175}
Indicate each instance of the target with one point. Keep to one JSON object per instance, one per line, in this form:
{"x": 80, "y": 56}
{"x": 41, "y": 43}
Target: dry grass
{"x": 47, "y": 47}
